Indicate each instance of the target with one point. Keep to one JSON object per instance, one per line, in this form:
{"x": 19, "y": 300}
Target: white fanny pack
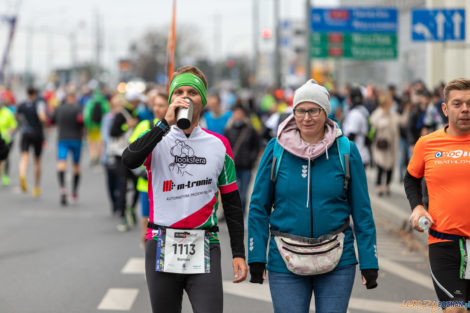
{"x": 311, "y": 256}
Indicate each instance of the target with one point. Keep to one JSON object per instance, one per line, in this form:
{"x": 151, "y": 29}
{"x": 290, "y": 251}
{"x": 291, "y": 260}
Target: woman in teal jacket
{"x": 309, "y": 199}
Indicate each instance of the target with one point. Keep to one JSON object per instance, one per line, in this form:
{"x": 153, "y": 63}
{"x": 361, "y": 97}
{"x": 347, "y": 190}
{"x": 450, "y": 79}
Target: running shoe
{"x": 123, "y": 226}
{"x": 130, "y": 215}
{"x": 74, "y": 198}
{"x": 23, "y": 185}
{"x": 36, "y": 191}
{"x": 5, "y": 180}
{"x": 63, "y": 199}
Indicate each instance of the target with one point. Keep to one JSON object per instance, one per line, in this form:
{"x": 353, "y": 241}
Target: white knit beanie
{"x": 313, "y": 92}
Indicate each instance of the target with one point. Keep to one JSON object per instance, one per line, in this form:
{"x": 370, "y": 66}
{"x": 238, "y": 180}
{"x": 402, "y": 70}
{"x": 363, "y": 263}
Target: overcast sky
{"x": 43, "y": 35}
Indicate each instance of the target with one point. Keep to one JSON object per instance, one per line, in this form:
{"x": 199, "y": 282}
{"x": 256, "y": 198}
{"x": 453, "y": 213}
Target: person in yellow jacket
{"x": 159, "y": 104}
{"x": 8, "y": 125}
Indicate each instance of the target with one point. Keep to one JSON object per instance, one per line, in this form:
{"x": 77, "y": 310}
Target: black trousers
{"x": 124, "y": 175}
{"x": 380, "y": 172}
{"x": 204, "y": 291}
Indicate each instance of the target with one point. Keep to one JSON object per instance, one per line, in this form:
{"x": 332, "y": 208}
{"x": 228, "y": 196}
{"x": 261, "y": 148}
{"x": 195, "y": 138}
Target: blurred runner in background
{"x": 32, "y": 117}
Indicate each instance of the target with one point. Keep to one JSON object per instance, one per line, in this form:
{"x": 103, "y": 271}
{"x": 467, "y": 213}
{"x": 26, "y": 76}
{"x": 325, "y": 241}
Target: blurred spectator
{"x": 95, "y": 109}
{"x": 392, "y": 90}
{"x": 85, "y": 96}
{"x": 216, "y": 118}
{"x": 245, "y": 147}
{"x": 144, "y": 107}
{"x": 356, "y": 125}
{"x": 372, "y": 99}
{"x": 8, "y": 99}
{"x": 336, "y": 102}
{"x": 121, "y": 130}
{"x": 415, "y": 126}
{"x": 8, "y": 126}
{"x": 437, "y": 100}
{"x": 385, "y": 145}
{"x": 404, "y": 145}
{"x": 107, "y": 159}
{"x": 268, "y": 101}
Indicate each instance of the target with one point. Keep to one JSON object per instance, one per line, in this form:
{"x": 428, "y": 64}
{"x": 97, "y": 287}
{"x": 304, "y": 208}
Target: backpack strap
{"x": 344, "y": 152}
{"x": 278, "y": 152}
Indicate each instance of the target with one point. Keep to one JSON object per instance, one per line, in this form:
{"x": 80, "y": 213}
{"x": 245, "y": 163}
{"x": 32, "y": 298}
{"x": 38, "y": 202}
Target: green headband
{"x": 188, "y": 79}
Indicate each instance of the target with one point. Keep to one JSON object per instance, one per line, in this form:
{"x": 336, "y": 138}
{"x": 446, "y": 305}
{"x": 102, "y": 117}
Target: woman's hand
{"x": 257, "y": 272}
{"x": 369, "y": 277}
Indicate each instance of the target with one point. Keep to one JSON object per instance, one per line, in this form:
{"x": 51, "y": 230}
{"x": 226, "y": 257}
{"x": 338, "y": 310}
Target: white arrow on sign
{"x": 440, "y": 20}
{"x": 457, "y": 19}
{"x": 421, "y": 29}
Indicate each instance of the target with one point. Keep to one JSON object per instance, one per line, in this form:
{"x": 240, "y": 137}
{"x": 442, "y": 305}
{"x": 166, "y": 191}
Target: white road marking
{"x": 118, "y": 299}
{"x": 389, "y": 208}
{"x": 405, "y": 273}
{"x": 134, "y": 266}
{"x": 261, "y": 293}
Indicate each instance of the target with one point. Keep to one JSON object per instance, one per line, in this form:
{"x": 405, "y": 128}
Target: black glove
{"x": 370, "y": 275}
{"x": 256, "y": 272}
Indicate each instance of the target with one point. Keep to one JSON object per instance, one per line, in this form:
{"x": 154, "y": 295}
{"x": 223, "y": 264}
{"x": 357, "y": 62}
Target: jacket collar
{"x": 289, "y": 138}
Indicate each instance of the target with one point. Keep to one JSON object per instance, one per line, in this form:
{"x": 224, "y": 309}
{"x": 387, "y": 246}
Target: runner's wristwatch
{"x": 163, "y": 125}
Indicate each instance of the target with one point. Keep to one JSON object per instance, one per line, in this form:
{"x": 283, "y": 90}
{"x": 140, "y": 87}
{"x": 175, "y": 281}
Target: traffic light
{"x": 267, "y": 33}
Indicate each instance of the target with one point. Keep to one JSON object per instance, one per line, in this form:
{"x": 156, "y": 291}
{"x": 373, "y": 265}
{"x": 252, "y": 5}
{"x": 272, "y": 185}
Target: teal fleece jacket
{"x": 294, "y": 206}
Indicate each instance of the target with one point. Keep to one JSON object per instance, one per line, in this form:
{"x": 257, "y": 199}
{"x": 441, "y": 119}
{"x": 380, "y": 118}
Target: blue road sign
{"x": 438, "y": 24}
{"x": 355, "y": 20}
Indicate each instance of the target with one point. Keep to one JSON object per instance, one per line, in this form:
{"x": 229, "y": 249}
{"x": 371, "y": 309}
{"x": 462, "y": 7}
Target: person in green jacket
{"x": 94, "y": 111}
{"x": 159, "y": 104}
{"x": 8, "y": 125}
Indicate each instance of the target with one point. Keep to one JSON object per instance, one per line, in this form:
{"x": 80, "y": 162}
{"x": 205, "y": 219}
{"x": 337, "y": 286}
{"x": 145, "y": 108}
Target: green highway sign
{"x": 355, "y": 33}
{"x": 354, "y": 45}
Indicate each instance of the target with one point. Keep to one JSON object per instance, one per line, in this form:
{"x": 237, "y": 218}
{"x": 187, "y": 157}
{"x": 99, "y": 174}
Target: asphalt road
{"x": 57, "y": 259}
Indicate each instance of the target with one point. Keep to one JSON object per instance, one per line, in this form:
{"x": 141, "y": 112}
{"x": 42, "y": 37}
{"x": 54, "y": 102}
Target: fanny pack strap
{"x": 212, "y": 229}
{"x": 445, "y": 236}
{"x": 311, "y": 240}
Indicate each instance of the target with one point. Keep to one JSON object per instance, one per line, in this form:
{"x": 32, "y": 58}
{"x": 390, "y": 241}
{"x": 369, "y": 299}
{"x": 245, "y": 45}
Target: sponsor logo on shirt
{"x": 183, "y": 156}
{"x": 452, "y": 154}
{"x": 169, "y": 185}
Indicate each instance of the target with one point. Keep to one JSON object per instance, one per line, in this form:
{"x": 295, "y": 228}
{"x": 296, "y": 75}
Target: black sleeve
{"x": 413, "y": 190}
{"x": 234, "y": 216}
{"x": 116, "y": 129}
{"x": 136, "y": 153}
